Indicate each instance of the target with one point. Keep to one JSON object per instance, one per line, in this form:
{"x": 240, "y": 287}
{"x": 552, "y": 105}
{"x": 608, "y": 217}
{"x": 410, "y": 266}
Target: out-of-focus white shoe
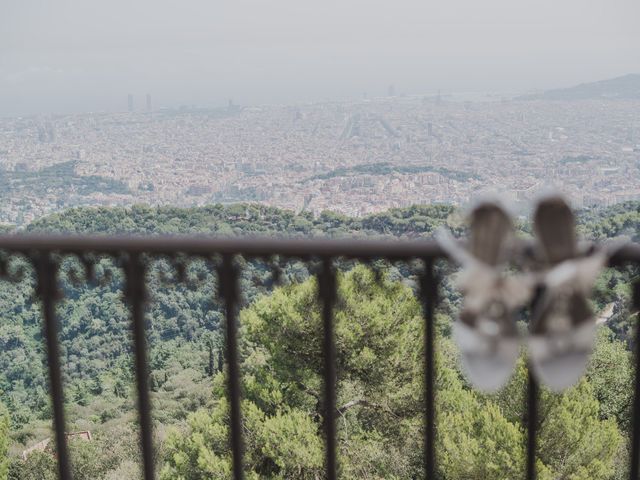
{"x": 562, "y": 329}
{"x": 485, "y": 331}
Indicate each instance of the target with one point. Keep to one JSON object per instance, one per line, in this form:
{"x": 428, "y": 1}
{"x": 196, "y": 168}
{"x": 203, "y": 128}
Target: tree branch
{"x": 352, "y": 403}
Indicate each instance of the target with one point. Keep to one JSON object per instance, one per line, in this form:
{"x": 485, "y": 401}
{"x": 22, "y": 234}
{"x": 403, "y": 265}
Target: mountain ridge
{"x": 625, "y": 87}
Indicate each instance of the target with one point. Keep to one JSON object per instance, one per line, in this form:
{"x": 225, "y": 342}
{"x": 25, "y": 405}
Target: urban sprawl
{"x": 352, "y": 157}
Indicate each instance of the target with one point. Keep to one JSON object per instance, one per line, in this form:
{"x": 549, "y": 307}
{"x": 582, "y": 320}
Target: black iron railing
{"x": 132, "y": 253}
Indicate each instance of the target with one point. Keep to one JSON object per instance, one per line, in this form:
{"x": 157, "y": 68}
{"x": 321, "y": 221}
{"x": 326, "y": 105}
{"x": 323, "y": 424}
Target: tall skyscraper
{"x": 42, "y": 134}
{"x": 148, "y": 102}
{"x": 130, "y": 101}
{"x": 51, "y": 132}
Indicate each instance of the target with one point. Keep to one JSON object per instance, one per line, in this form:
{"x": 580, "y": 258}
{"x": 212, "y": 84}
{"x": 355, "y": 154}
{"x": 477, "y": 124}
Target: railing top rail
{"x": 256, "y": 246}
{"x": 206, "y": 245}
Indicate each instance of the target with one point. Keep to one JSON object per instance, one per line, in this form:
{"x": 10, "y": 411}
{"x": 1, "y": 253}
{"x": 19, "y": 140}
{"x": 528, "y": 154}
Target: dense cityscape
{"x": 354, "y": 157}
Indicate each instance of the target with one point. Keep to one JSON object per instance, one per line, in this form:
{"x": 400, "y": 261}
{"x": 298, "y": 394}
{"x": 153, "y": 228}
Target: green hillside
{"x": 185, "y": 353}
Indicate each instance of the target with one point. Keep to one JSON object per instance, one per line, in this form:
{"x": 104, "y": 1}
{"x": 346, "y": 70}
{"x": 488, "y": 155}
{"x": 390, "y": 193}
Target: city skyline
{"x": 127, "y": 101}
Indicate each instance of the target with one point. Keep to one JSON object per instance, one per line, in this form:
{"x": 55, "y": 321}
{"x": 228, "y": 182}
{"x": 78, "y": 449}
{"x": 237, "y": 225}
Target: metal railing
{"x": 132, "y": 253}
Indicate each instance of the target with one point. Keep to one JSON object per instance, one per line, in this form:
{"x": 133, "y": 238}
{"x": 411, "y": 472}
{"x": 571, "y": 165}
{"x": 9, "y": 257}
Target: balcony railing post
{"x": 531, "y": 410}
{"x": 136, "y": 295}
{"x": 228, "y": 277}
{"x": 532, "y": 425}
{"x": 327, "y": 291}
{"x": 47, "y": 285}
{"x": 429, "y": 296}
{"x": 634, "y": 470}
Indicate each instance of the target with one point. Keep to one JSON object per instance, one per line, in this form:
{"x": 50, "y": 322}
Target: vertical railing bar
{"x": 634, "y": 468}
{"x": 532, "y": 425}
{"x": 228, "y": 289}
{"x": 429, "y": 294}
{"x": 327, "y": 291}
{"x": 135, "y": 291}
{"x": 531, "y": 411}
{"x": 46, "y": 270}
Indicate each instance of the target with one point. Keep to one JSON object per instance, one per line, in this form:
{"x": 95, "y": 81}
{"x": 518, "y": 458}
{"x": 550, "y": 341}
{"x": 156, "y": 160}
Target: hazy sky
{"x": 86, "y": 55}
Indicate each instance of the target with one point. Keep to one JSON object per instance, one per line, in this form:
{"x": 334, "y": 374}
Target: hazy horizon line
{"x": 219, "y": 104}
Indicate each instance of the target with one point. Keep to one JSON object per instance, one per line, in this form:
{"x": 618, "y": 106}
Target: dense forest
{"x": 583, "y": 432}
